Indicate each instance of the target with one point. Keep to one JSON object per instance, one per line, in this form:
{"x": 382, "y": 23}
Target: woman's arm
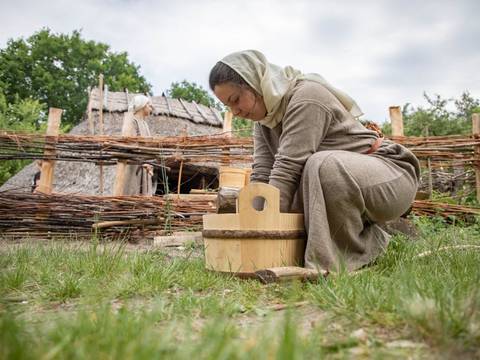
{"x": 305, "y": 125}
{"x": 262, "y": 157}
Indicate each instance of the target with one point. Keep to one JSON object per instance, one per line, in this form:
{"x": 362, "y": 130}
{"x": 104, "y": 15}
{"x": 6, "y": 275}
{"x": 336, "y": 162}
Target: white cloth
{"x": 138, "y": 103}
{"x": 272, "y": 82}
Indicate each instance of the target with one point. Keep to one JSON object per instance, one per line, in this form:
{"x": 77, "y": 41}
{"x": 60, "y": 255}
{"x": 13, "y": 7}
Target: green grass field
{"x": 68, "y": 300}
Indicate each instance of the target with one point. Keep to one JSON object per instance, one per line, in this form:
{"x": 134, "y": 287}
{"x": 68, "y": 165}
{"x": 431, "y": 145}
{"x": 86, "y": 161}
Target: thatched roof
{"x": 83, "y": 178}
{"x": 178, "y": 108}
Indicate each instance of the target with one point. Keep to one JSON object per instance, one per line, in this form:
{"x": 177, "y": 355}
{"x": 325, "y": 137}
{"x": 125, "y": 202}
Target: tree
{"x": 22, "y": 115}
{"x": 436, "y": 118}
{"x": 190, "y": 91}
{"x": 57, "y": 69}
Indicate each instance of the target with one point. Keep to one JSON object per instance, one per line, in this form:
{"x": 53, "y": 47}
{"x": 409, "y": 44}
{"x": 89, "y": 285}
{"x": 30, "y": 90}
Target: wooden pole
{"x": 429, "y": 167}
{"x": 100, "y": 118}
{"x": 89, "y": 112}
{"x": 476, "y": 133}
{"x": 46, "y": 177}
{"x": 227, "y": 123}
{"x": 227, "y": 130}
{"x": 396, "y": 119}
{"x": 100, "y": 86}
{"x": 179, "y": 184}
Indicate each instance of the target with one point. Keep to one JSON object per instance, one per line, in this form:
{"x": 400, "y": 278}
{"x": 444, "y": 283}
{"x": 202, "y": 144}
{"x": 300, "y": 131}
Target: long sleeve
{"x": 263, "y": 157}
{"x": 305, "y": 125}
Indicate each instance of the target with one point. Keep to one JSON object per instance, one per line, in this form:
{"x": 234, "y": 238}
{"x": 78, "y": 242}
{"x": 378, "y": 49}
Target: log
{"x": 48, "y": 166}
{"x": 106, "y": 224}
{"x": 289, "y": 273}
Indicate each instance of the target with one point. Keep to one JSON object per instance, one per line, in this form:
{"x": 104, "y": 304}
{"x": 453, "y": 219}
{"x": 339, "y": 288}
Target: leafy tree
{"x": 242, "y": 127}
{"x": 22, "y": 115}
{"x": 190, "y": 91}
{"x": 436, "y": 119}
{"x": 57, "y": 69}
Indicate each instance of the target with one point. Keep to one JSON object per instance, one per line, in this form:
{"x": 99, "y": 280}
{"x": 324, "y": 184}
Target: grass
{"x": 61, "y": 300}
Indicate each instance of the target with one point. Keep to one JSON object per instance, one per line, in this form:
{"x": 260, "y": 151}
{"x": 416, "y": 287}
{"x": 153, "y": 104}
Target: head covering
{"x": 273, "y": 82}
{"x": 138, "y": 103}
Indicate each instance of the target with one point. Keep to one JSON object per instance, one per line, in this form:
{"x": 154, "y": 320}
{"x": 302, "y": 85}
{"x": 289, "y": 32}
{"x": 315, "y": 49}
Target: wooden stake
{"x": 100, "y": 118}
{"x": 476, "y": 133}
{"x": 227, "y": 123}
{"x": 396, "y": 119}
{"x": 227, "y": 130}
{"x": 429, "y": 167}
{"x": 184, "y": 133}
{"x": 46, "y": 177}
{"x": 100, "y": 86}
{"x": 91, "y": 126}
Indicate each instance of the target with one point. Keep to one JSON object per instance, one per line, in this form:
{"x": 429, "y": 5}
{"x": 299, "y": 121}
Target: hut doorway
{"x": 194, "y": 177}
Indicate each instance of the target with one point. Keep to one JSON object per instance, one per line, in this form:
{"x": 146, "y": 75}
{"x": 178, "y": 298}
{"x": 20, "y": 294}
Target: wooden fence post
{"x": 46, "y": 176}
{"x": 100, "y": 86}
{"x": 476, "y": 133}
{"x": 396, "y": 120}
{"x": 227, "y": 123}
{"x": 227, "y": 129}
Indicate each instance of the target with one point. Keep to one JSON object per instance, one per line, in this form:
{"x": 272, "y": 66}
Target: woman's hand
{"x": 148, "y": 168}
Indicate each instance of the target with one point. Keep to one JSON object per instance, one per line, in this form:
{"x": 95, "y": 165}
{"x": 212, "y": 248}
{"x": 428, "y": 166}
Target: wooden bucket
{"x": 251, "y": 240}
{"x": 248, "y": 172}
{"x": 231, "y": 177}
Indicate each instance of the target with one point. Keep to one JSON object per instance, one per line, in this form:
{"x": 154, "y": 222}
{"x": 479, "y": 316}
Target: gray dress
{"x": 317, "y": 158}
{"x": 137, "y": 180}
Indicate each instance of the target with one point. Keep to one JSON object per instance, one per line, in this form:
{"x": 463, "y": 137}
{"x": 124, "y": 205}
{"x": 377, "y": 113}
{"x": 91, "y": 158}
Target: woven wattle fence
{"x": 38, "y": 215}
{"x": 441, "y": 150}
{"x": 110, "y": 149}
{"x": 129, "y": 217}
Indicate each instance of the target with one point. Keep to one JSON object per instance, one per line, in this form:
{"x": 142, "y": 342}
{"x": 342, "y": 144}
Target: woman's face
{"x": 147, "y": 109}
{"x": 242, "y": 101}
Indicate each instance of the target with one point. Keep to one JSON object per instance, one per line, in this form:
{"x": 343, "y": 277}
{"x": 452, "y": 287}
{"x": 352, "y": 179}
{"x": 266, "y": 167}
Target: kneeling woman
{"x": 326, "y": 164}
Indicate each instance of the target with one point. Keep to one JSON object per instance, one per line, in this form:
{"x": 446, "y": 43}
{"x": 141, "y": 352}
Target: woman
{"x": 326, "y": 164}
{"x": 137, "y": 179}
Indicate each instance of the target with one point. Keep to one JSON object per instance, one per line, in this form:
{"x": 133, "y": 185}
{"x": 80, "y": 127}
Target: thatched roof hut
{"x": 171, "y": 117}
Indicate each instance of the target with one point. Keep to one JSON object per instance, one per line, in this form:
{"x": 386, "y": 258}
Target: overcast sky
{"x": 382, "y": 53}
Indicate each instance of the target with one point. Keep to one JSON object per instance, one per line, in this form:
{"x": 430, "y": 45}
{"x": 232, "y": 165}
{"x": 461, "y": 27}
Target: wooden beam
{"x": 396, "y": 120}
{"x": 476, "y": 133}
{"x": 53, "y": 127}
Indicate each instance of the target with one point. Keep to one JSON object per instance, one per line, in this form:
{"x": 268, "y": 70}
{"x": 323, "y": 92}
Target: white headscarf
{"x": 273, "y": 82}
{"x": 138, "y": 103}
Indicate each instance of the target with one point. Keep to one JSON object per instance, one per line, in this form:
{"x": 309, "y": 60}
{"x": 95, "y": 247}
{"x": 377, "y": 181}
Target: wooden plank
{"x": 476, "y": 133}
{"x": 396, "y": 120}
{"x": 48, "y": 166}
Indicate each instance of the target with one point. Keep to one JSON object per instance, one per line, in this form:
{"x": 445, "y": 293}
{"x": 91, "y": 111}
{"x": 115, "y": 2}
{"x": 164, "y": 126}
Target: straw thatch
{"x": 171, "y": 117}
